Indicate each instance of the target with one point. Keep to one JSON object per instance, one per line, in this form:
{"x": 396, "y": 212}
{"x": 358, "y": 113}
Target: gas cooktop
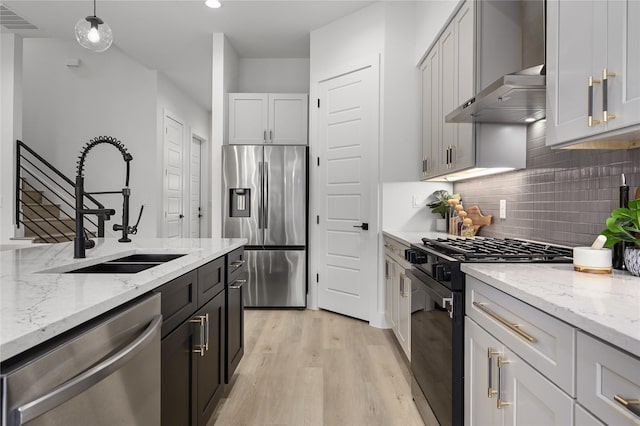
{"x": 483, "y": 249}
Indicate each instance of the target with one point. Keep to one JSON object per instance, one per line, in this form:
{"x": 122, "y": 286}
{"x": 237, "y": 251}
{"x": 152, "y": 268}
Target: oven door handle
{"x": 435, "y": 290}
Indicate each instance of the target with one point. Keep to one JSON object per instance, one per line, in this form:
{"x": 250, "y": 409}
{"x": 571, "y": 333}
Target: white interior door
{"x": 348, "y": 174}
{"x": 173, "y": 160}
{"x": 195, "y": 188}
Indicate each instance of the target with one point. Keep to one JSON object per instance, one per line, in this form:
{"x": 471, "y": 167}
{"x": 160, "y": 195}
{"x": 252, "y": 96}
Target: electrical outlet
{"x": 503, "y": 209}
{"x": 415, "y": 202}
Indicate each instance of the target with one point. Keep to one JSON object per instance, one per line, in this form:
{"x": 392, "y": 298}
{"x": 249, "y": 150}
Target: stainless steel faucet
{"x": 81, "y": 240}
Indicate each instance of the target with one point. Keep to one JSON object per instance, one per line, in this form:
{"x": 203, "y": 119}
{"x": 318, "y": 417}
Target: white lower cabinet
{"x": 502, "y": 389}
{"x": 584, "y": 418}
{"x": 398, "y": 293}
{"x": 608, "y": 382}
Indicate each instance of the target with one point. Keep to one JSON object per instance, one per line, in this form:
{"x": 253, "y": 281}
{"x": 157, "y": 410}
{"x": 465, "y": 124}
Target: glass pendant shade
{"x": 214, "y": 4}
{"x": 94, "y": 34}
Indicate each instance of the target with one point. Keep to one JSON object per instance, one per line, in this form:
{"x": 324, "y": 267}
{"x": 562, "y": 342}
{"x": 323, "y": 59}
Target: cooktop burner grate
{"x": 481, "y": 249}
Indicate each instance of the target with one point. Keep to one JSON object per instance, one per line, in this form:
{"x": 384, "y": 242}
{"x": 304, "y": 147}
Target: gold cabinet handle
{"x": 590, "y": 83}
{"x": 629, "y": 404}
{"x": 501, "y": 402}
{"x": 237, "y": 284}
{"x": 237, "y": 263}
{"x": 490, "y": 354}
{"x": 605, "y": 96}
{"x": 513, "y": 327}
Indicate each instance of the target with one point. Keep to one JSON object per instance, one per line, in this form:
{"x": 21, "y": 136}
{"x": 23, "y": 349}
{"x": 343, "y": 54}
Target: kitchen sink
{"x": 127, "y": 265}
{"x": 148, "y": 257}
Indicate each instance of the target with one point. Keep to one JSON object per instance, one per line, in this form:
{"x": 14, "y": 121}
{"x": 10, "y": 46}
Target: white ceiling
{"x": 175, "y": 36}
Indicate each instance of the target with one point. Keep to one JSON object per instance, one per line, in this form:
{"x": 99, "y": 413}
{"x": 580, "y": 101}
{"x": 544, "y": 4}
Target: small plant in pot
{"x": 440, "y": 206}
{"x": 624, "y": 226}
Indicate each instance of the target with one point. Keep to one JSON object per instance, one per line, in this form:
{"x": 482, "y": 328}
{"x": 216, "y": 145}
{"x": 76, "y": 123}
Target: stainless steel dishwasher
{"x": 106, "y": 372}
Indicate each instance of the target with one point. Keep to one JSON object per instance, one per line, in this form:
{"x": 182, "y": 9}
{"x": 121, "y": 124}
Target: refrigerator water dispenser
{"x": 240, "y": 202}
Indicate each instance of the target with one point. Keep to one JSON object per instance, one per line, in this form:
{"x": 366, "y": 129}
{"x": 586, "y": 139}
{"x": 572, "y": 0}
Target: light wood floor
{"x": 317, "y": 368}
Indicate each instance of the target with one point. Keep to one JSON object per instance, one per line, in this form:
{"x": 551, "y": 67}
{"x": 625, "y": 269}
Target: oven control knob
{"x": 441, "y": 272}
{"x": 415, "y": 257}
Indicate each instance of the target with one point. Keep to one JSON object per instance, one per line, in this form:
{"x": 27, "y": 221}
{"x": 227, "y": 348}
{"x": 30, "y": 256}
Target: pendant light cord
{"x": 94, "y": 8}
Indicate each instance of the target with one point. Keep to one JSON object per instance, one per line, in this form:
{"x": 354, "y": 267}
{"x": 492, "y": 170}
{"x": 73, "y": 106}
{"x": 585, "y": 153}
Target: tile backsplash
{"x": 563, "y": 196}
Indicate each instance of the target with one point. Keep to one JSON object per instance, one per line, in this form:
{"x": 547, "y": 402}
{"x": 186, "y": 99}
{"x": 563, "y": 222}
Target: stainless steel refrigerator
{"x": 265, "y": 201}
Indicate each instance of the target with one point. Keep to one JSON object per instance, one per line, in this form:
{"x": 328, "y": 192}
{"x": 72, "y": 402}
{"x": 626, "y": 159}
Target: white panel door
{"x": 195, "y": 210}
{"x": 348, "y": 173}
{"x": 173, "y": 185}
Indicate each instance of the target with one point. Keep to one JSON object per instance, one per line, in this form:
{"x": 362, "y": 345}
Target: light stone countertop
{"x": 414, "y": 237}
{"x": 38, "y": 301}
{"x": 604, "y": 305}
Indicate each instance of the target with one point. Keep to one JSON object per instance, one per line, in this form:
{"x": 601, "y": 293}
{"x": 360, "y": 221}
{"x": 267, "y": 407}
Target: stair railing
{"x": 31, "y": 165}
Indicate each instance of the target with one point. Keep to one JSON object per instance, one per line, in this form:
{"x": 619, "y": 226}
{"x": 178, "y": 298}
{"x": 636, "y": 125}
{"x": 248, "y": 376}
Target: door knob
{"x": 181, "y": 216}
{"x": 364, "y": 226}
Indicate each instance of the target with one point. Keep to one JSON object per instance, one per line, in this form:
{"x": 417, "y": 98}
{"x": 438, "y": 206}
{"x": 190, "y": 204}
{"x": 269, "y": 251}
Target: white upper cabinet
{"x": 593, "y": 70}
{"x": 268, "y": 118}
{"x": 447, "y": 81}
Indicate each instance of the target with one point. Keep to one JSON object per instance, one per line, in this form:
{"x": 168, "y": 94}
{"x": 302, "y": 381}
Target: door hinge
{"x": 318, "y": 220}
{"x": 318, "y": 161}
{"x": 318, "y": 102}
{"x": 317, "y": 278}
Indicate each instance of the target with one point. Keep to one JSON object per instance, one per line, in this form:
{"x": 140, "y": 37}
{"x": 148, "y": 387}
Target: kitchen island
{"x": 40, "y": 301}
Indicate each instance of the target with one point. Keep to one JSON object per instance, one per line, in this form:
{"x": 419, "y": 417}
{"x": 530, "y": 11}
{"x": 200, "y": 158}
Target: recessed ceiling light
{"x": 214, "y": 4}
{"x": 529, "y": 120}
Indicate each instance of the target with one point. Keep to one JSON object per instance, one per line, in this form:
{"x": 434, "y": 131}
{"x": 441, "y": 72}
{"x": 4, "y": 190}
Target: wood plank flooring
{"x": 317, "y": 368}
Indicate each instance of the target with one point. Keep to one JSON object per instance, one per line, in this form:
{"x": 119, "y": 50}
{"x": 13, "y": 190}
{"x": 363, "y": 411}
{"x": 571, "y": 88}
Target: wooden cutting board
{"x": 478, "y": 218}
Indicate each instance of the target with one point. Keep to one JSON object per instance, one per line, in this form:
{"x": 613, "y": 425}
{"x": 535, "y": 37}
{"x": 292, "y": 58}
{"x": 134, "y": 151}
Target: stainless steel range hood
{"x": 519, "y": 97}
{"x": 513, "y": 98}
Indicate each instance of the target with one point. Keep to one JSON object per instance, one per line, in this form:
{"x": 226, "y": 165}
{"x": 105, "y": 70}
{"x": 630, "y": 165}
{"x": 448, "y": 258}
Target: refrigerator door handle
{"x": 260, "y": 209}
{"x": 266, "y": 195}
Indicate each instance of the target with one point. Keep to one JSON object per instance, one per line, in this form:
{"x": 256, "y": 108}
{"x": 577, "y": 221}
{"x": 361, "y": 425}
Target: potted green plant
{"x": 440, "y": 206}
{"x": 624, "y": 225}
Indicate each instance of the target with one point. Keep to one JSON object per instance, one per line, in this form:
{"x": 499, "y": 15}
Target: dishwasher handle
{"x": 85, "y": 380}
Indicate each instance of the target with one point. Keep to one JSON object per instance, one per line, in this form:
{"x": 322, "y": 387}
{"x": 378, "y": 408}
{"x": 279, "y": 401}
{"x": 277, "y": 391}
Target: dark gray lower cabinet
{"x": 236, "y": 280}
{"x": 210, "y": 365}
{"x": 193, "y": 345}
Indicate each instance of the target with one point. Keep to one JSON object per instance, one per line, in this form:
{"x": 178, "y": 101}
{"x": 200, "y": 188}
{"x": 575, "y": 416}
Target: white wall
{"x": 109, "y": 94}
{"x": 224, "y": 81}
{"x": 430, "y": 17}
{"x": 196, "y": 120}
{"x": 10, "y": 126}
{"x": 402, "y": 125}
{"x": 404, "y": 207}
{"x": 273, "y": 75}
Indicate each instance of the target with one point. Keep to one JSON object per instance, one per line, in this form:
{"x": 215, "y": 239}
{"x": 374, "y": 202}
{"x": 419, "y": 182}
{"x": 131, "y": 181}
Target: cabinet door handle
{"x": 501, "y": 402}
{"x": 513, "y": 327}
{"x": 386, "y": 269}
{"x": 590, "y": 83}
{"x": 490, "y": 390}
{"x": 632, "y": 405}
{"x": 201, "y": 320}
{"x": 236, "y": 264}
{"x": 206, "y": 332}
{"x": 271, "y": 136}
{"x": 237, "y": 284}
{"x": 453, "y": 148}
{"x": 264, "y": 136}
{"x": 605, "y": 96}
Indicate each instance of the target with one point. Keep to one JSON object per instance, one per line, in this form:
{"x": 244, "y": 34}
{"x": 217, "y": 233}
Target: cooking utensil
{"x": 478, "y": 218}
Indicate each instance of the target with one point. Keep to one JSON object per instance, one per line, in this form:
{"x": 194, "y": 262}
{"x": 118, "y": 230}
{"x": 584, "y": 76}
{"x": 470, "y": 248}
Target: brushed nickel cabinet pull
{"x": 590, "y": 120}
{"x": 237, "y": 284}
{"x": 202, "y": 321}
{"x": 264, "y": 136}
{"x": 605, "y": 96}
{"x": 513, "y": 327}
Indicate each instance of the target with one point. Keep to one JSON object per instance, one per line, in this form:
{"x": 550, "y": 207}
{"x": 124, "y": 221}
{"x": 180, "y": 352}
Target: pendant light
{"x": 93, "y": 33}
